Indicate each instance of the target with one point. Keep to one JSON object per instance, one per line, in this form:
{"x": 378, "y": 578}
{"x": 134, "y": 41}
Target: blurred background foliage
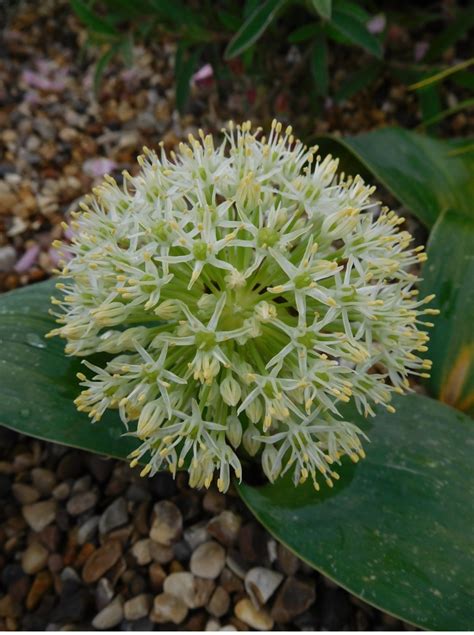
{"x": 315, "y": 37}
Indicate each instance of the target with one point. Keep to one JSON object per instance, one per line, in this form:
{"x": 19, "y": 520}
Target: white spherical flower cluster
{"x": 242, "y": 293}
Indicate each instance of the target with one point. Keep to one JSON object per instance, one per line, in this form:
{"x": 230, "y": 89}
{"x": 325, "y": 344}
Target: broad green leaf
{"x": 396, "y": 530}
{"x": 38, "y": 382}
{"x": 418, "y": 170}
{"x": 92, "y": 20}
{"x": 319, "y": 64}
{"x": 253, "y": 27}
{"x": 323, "y": 8}
{"x": 449, "y": 273}
{"x": 355, "y": 31}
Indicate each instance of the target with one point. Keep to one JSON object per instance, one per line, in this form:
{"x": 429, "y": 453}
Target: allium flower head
{"x": 243, "y": 293}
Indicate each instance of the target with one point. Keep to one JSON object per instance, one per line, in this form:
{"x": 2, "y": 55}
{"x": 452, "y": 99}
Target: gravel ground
{"x": 84, "y": 542}
{"x": 87, "y": 544}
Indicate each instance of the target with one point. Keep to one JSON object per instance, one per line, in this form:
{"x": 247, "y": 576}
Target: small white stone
{"x": 168, "y": 523}
{"x": 34, "y": 558}
{"x": 110, "y": 616}
{"x": 258, "y": 619}
{"x": 168, "y": 608}
{"x": 212, "y": 625}
{"x": 219, "y": 603}
{"x": 208, "y": 560}
{"x": 141, "y": 551}
{"x": 194, "y": 592}
{"x": 261, "y": 584}
{"x": 40, "y": 515}
{"x": 137, "y": 607}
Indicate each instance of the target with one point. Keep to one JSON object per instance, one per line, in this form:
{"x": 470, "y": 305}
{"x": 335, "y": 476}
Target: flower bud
{"x": 230, "y": 390}
{"x": 168, "y": 310}
{"x": 249, "y": 440}
{"x": 234, "y": 430}
{"x": 254, "y": 410}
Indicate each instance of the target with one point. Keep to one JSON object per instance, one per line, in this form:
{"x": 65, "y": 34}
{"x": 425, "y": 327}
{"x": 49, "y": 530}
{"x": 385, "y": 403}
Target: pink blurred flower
{"x": 377, "y": 24}
{"x": 204, "y": 76}
{"x": 420, "y": 50}
{"x": 46, "y": 77}
{"x": 98, "y": 166}
{"x": 28, "y": 259}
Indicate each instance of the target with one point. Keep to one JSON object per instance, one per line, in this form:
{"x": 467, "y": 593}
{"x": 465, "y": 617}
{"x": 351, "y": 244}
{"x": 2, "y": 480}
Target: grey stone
{"x": 110, "y": 616}
{"x": 114, "y": 516}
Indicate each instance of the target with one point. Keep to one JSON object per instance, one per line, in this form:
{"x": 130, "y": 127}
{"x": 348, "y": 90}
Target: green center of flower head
{"x": 243, "y": 293}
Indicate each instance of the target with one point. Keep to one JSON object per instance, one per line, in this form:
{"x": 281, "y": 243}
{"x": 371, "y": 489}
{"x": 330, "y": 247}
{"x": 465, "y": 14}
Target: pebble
{"x": 293, "y": 598}
{"x": 44, "y": 480}
{"x": 212, "y": 625}
{"x": 82, "y": 484}
{"x": 252, "y": 543}
{"x": 87, "y": 530}
{"x": 104, "y": 593}
{"x": 7, "y": 258}
{"x": 41, "y": 584}
{"x": 225, "y": 527}
{"x": 110, "y": 616}
{"x": 168, "y": 523}
{"x": 61, "y": 491}
{"x": 168, "y": 608}
{"x": 196, "y": 534}
{"x": 40, "y": 515}
{"x": 261, "y": 584}
{"x": 213, "y": 501}
{"x": 80, "y": 503}
{"x": 208, "y": 560}
{"x": 160, "y": 553}
{"x": 34, "y": 558}
{"x": 73, "y": 604}
{"x": 101, "y": 561}
{"x": 137, "y": 607}
{"x": 287, "y": 561}
{"x": 114, "y": 516}
{"x": 258, "y": 619}
{"x": 25, "y": 494}
{"x": 157, "y": 575}
{"x": 219, "y": 603}
{"x": 195, "y": 592}
{"x": 141, "y": 551}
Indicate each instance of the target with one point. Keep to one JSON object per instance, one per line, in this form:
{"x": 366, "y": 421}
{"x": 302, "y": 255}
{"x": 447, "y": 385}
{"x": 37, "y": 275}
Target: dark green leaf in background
{"x": 305, "y": 32}
{"x": 319, "y": 64}
{"x": 418, "y": 170}
{"x": 185, "y": 65}
{"x": 355, "y": 31}
{"x": 358, "y": 81}
{"x": 253, "y": 27}
{"x": 396, "y": 530}
{"x": 451, "y": 34}
{"x": 91, "y": 19}
{"x": 323, "y": 8}
{"x": 38, "y": 382}
{"x": 449, "y": 273}
{"x": 101, "y": 65}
